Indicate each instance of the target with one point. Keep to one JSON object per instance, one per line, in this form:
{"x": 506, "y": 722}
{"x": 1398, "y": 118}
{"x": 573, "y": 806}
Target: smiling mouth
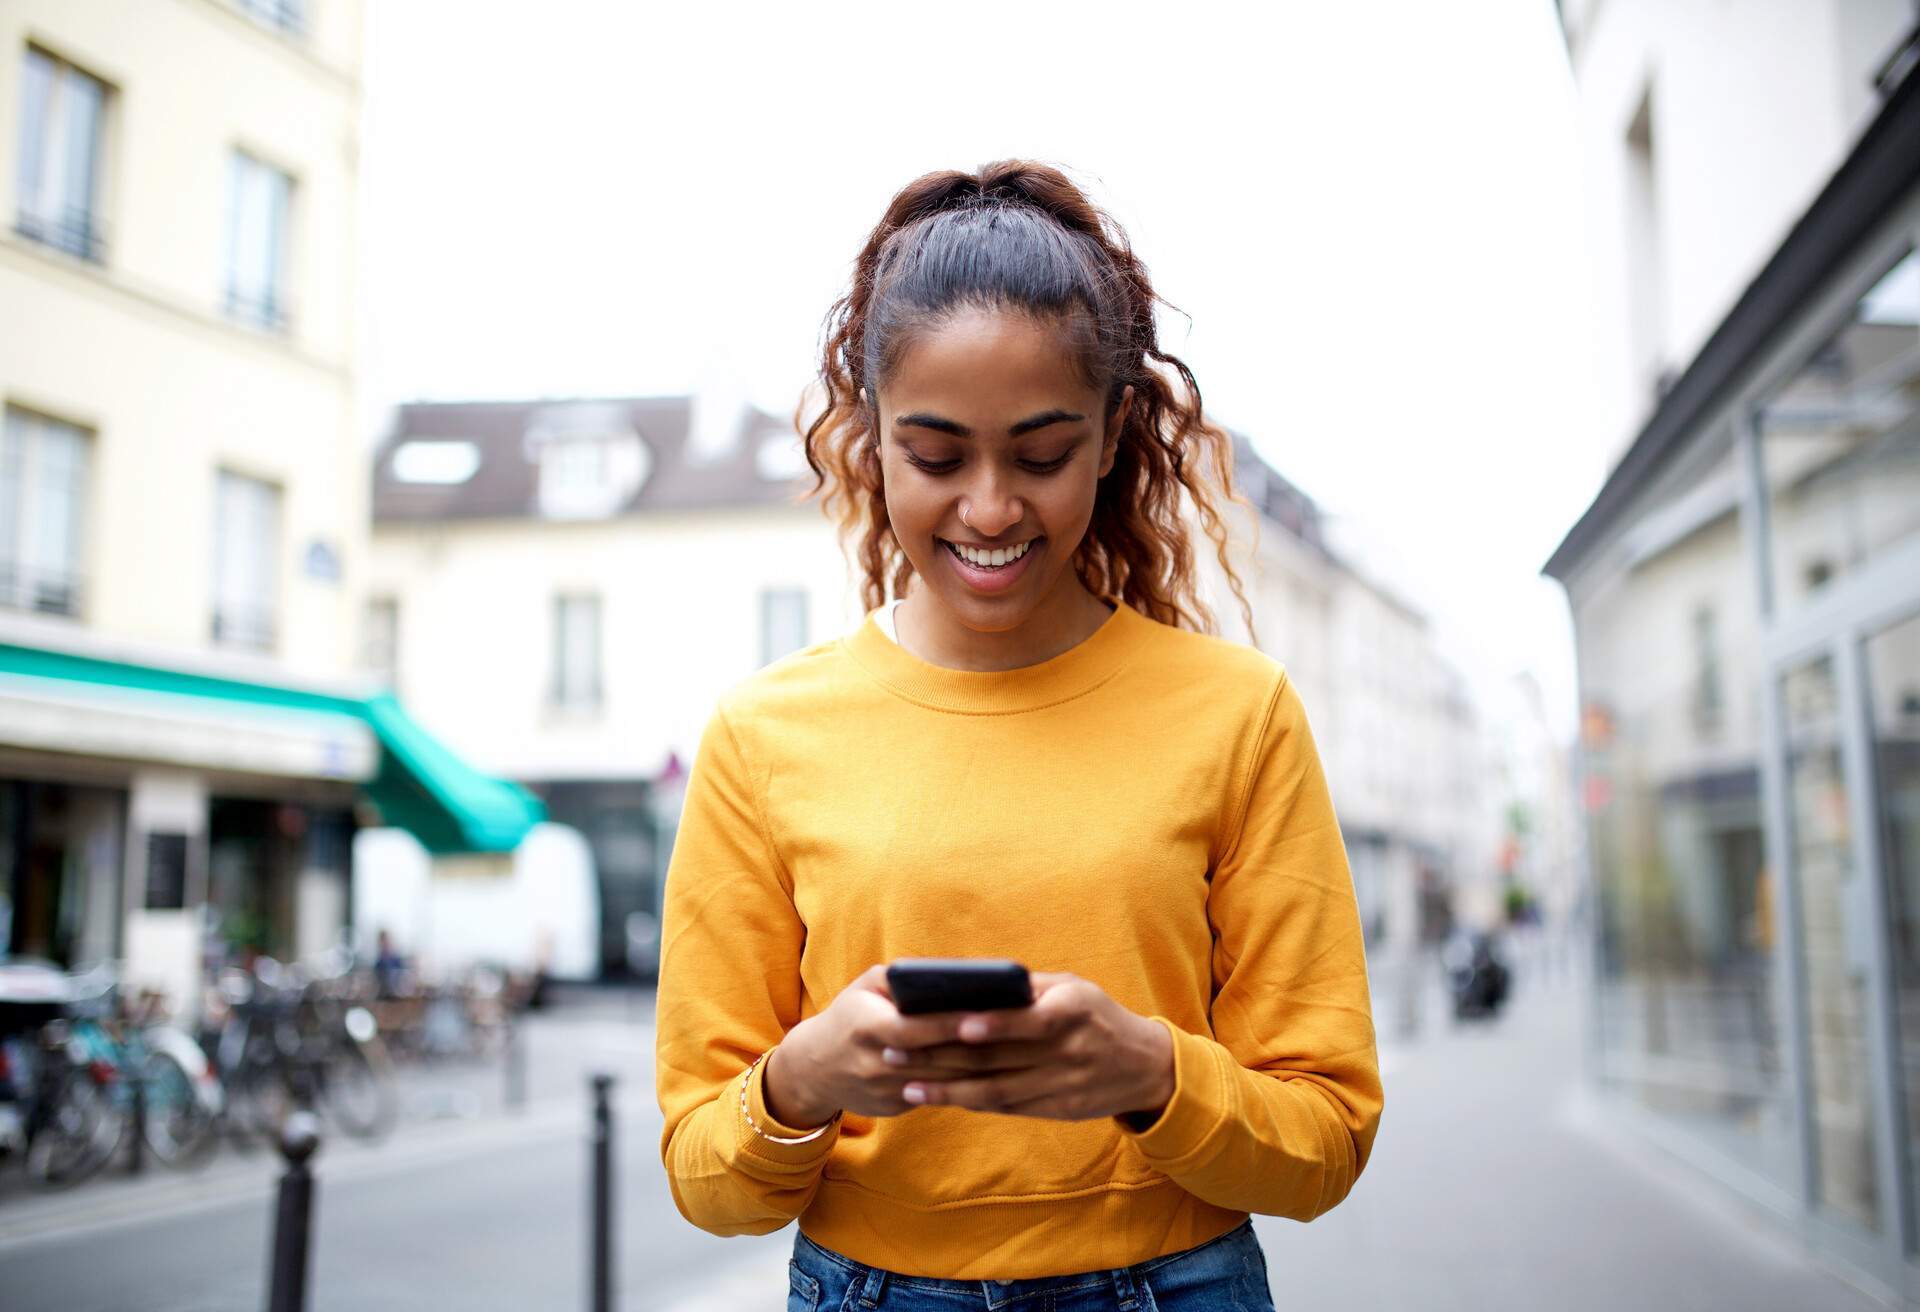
{"x": 1002, "y": 558}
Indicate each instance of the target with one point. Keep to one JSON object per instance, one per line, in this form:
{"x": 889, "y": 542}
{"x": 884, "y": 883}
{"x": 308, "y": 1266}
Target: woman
{"x": 1038, "y": 752}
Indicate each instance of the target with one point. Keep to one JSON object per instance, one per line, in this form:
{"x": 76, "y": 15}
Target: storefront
{"x": 172, "y": 815}
{"x": 1746, "y": 600}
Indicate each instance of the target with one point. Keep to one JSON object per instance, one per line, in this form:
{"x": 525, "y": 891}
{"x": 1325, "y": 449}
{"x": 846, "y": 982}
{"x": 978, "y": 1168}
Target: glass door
{"x": 1835, "y": 948}
{"x": 1892, "y": 659}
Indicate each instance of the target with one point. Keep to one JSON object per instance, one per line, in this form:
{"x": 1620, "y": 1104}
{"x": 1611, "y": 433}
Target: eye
{"x": 948, "y": 466}
{"x": 932, "y": 466}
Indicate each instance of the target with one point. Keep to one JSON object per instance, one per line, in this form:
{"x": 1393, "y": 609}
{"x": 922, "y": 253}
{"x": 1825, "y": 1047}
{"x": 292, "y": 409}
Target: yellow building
{"x": 184, "y": 748}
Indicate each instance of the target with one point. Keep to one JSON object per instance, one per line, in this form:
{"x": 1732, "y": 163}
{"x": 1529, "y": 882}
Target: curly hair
{"x": 1021, "y": 235}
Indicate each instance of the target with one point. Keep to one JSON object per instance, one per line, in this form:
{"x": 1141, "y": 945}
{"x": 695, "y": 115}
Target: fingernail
{"x": 893, "y": 1056}
{"x": 914, "y": 1093}
{"x": 973, "y": 1029}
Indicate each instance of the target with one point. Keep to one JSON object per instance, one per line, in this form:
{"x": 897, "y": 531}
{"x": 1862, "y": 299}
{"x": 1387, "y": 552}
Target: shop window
{"x": 1840, "y": 441}
{"x": 1687, "y": 901}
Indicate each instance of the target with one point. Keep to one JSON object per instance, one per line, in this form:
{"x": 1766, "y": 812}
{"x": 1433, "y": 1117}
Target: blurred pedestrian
{"x": 389, "y": 968}
{"x": 1040, "y": 752}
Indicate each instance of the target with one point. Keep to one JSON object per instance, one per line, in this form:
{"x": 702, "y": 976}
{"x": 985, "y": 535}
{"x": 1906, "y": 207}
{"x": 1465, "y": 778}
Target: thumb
{"x": 874, "y": 980}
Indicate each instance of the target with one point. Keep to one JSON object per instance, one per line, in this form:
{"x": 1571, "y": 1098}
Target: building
{"x": 1406, "y": 757}
{"x": 564, "y": 588}
{"x": 184, "y": 753}
{"x": 1746, "y": 599}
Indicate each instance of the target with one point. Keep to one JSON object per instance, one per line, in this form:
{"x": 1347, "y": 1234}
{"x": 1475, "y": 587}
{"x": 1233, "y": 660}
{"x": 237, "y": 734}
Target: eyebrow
{"x": 1027, "y": 425}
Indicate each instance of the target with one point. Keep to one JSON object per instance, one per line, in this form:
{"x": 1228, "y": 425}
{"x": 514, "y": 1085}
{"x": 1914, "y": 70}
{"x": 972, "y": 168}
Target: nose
{"x": 991, "y": 508}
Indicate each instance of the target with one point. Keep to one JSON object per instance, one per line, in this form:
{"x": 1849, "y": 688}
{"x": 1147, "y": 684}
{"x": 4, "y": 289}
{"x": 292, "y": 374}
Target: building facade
{"x": 619, "y": 573}
{"x": 1406, "y": 756}
{"x": 184, "y": 753}
{"x": 1746, "y": 601}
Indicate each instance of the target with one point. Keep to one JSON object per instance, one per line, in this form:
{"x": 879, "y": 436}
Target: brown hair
{"x": 1021, "y": 235}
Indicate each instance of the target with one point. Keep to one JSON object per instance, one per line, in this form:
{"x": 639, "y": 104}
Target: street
{"x": 1495, "y": 1184}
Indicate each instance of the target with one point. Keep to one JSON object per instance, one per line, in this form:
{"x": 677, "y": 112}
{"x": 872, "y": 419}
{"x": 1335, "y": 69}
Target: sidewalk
{"x": 1496, "y": 1182}
{"x": 453, "y": 1102}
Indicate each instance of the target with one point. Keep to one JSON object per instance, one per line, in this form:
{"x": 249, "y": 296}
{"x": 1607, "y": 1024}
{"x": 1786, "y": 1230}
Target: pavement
{"x": 1495, "y": 1183}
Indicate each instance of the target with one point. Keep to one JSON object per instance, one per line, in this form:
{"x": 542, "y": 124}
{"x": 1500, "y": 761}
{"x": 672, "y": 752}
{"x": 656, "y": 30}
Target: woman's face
{"x": 986, "y": 414}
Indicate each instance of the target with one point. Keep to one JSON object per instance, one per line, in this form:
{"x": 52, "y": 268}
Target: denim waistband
{"x": 872, "y": 1282}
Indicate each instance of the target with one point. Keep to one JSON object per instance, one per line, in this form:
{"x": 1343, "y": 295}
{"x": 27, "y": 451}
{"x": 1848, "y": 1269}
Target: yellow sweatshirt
{"x": 1146, "y": 811}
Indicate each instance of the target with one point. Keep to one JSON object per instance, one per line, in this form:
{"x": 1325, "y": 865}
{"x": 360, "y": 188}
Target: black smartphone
{"x": 924, "y": 984}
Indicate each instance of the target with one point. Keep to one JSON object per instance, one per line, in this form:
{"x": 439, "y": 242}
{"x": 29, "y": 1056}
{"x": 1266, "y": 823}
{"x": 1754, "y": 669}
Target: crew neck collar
{"x": 1073, "y": 673}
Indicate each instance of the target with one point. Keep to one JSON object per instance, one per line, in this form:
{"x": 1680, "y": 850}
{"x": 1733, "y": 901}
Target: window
{"x": 288, "y": 16}
{"x": 783, "y": 622}
{"x": 380, "y": 653}
{"x": 258, "y": 203}
{"x": 1686, "y": 903}
{"x": 591, "y": 460}
{"x": 1646, "y": 278}
{"x": 246, "y": 562}
{"x": 435, "y": 460}
{"x": 43, "y": 495}
{"x": 1708, "y": 703}
{"x": 1840, "y": 442}
{"x": 62, "y": 117}
{"x": 576, "y": 651}
{"x": 576, "y": 466}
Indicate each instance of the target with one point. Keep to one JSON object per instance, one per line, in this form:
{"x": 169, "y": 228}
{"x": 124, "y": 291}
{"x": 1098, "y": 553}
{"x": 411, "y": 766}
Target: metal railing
{"x": 245, "y": 627}
{"x": 41, "y": 591}
{"x": 75, "y": 231}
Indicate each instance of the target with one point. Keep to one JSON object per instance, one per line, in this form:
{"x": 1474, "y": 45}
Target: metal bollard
{"x": 516, "y": 1067}
{"x": 602, "y": 1195}
{"x": 137, "y": 1158}
{"x": 293, "y": 1222}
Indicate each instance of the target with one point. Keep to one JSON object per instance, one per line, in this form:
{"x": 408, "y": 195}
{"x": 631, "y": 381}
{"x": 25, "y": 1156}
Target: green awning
{"x": 418, "y": 785}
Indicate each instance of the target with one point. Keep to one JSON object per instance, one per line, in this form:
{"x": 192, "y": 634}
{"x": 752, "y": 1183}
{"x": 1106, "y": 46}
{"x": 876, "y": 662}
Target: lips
{"x": 982, "y": 578}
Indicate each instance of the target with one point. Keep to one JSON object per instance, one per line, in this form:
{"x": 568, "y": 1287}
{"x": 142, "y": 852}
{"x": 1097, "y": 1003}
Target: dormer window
{"x": 574, "y": 469}
{"x": 590, "y": 460}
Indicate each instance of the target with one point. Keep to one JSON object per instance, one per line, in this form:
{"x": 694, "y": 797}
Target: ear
{"x": 1116, "y": 424}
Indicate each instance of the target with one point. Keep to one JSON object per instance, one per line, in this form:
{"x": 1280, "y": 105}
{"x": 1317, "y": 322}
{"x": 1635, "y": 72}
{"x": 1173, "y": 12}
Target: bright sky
{"x": 1371, "y": 213}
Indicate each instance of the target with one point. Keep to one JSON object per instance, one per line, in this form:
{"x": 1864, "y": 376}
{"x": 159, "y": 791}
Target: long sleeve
{"x": 1277, "y": 1111}
{"x": 729, "y": 990}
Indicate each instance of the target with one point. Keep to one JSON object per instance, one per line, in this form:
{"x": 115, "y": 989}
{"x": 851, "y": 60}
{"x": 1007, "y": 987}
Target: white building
{"x": 1746, "y": 599}
{"x": 563, "y": 589}
{"x": 183, "y": 755}
{"x": 1406, "y": 756}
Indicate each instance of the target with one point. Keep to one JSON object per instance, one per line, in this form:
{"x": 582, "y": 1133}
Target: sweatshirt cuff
{"x": 1198, "y": 1106}
{"x": 758, "y": 1145}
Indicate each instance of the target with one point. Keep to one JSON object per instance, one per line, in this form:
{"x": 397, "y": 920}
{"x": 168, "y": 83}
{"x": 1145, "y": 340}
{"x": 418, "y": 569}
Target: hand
{"x": 1073, "y": 1055}
{"x": 832, "y": 1060}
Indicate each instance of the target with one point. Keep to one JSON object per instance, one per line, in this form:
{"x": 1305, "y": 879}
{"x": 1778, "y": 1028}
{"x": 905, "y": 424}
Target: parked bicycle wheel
{"x": 76, "y": 1133}
{"x": 263, "y": 1097}
{"x": 357, "y": 1088}
{"x": 180, "y": 1124}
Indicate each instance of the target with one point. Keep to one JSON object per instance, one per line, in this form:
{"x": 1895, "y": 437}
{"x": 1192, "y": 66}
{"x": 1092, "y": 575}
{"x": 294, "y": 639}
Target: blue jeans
{"x": 1227, "y": 1274}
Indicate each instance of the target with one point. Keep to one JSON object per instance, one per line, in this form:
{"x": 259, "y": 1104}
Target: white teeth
{"x": 992, "y": 559}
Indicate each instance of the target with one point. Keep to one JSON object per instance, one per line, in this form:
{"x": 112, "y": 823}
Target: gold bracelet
{"x": 775, "y": 1138}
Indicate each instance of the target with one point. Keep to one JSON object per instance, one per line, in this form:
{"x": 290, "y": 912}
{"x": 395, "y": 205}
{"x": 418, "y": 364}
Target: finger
{"x": 925, "y": 1030}
{"x": 983, "y": 1093}
{"x": 1032, "y": 1023}
{"x": 944, "y": 1060}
